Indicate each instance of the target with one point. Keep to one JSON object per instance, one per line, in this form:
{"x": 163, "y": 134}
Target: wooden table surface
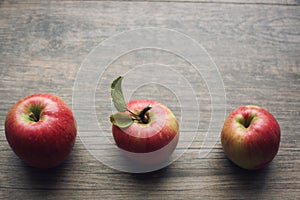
{"x": 255, "y": 46}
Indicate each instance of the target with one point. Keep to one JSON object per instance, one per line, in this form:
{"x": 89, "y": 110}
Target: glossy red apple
{"x": 250, "y": 137}
{"x": 158, "y": 130}
{"x": 146, "y": 129}
{"x": 41, "y": 130}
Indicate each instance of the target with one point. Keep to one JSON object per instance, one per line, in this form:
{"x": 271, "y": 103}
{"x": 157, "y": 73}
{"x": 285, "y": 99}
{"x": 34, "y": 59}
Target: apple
{"x": 158, "y": 128}
{"x": 41, "y": 130}
{"x": 146, "y": 130}
{"x": 155, "y": 135}
{"x": 250, "y": 137}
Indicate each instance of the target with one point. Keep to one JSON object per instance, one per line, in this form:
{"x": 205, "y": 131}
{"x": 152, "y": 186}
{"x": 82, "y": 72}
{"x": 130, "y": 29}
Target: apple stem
{"x": 33, "y": 117}
{"x": 143, "y": 116}
{"x": 248, "y": 121}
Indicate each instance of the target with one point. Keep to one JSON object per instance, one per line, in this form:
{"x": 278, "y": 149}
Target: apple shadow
{"x": 243, "y": 181}
{"x": 44, "y": 180}
{"x": 145, "y": 182}
{"x": 150, "y": 176}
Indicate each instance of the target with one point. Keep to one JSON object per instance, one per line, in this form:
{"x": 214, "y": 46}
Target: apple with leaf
{"x": 147, "y": 129}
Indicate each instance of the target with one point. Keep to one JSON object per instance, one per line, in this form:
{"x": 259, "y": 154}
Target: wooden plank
{"x": 253, "y": 2}
{"x": 256, "y": 48}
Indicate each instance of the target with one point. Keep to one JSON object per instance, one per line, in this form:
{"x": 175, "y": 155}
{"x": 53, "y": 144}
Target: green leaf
{"x": 121, "y": 120}
{"x": 117, "y": 95}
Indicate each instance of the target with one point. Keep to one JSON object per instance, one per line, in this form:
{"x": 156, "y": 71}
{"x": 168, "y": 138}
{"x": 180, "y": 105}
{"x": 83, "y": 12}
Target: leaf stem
{"x": 135, "y": 115}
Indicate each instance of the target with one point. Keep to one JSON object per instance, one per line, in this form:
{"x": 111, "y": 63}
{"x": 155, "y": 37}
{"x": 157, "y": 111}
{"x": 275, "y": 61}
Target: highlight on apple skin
{"x": 250, "y": 137}
{"x": 41, "y": 130}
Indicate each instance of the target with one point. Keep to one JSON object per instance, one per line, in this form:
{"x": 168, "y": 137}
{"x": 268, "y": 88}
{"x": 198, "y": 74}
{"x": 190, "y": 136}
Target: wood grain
{"x": 255, "y": 46}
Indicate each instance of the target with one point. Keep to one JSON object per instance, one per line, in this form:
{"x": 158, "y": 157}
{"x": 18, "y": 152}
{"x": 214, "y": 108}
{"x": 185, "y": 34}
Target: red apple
{"x": 41, "y": 130}
{"x": 153, "y": 133}
{"x": 250, "y": 137}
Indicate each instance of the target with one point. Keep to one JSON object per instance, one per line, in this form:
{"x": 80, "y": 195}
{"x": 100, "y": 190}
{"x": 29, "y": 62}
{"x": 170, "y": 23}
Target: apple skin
{"x": 142, "y": 141}
{"x": 45, "y": 143}
{"x": 250, "y": 137}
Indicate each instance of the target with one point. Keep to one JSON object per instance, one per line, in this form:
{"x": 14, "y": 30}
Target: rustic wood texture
{"x": 256, "y": 47}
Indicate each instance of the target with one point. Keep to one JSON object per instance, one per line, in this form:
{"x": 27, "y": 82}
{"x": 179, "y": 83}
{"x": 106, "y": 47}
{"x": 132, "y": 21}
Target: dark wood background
{"x": 256, "y": 46}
